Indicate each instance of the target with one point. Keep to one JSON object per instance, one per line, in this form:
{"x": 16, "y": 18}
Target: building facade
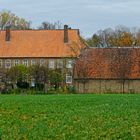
{"x": 51, "y": 48}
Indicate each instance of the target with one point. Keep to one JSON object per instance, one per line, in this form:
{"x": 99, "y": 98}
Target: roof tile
{"x": 39, "y": 43}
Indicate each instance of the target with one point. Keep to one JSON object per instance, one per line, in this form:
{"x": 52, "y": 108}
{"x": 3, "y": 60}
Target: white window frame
{"x": 59, "y": 63}
{"x": 33, "y": 62}
{"x": 1, "y": 63}
{"x": 69, "y": 64}
{"x": 16, "y": 62}
{"x": 32, "y": 82}
{"x": 6, "y": 62}
{"x": 42, "y": 62}
{"x": 68, "y": 79}
{"x": 25, "y": 62}
{"x": 51, "y": 63}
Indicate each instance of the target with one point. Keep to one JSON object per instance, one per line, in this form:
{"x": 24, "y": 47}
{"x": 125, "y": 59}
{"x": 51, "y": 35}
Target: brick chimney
{"x": 66, "y": 36}
{"x": 7, "y": 36}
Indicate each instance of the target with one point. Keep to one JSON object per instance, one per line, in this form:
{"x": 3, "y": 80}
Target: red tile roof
{"x": 39, "y": 43}
{"x": 109, "y": 63}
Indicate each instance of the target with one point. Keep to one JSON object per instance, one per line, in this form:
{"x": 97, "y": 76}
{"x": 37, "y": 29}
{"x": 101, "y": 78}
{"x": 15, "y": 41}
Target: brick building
{"x": 53, "y": 48}
{"x": 108, "y": 70}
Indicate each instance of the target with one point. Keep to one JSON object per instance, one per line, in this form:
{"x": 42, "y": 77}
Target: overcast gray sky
{"x": 87, "y": 15}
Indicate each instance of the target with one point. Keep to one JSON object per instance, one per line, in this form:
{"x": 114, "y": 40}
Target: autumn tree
{"x": 137, "y": 38}
{"x": 121, "y": 36}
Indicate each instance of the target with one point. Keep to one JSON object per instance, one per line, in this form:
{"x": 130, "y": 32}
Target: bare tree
{"x": 10, "y": 19}
{"x": 50, "y": 26}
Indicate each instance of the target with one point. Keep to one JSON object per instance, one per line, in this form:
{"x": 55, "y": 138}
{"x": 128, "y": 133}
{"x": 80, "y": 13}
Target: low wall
{"x": 108, "y": 86}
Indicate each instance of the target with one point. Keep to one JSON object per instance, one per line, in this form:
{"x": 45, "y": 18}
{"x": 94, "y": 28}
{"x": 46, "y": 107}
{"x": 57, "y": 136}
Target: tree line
{"x": 121, "y": 36}
{"x": 7, "y": 18}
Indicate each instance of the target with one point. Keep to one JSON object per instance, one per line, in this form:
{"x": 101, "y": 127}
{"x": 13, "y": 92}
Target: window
{"x": 68, "y": 79}
{"x": 8, "y": 63}
{"x": 33, "y": 62}
{"x": 16, "y": 62}
{"x": 32, "y": 82}
{"x": 59, "y": 63}
{"x": 42, "y": 62}
{"x": 51, "y": 64}
{"x": 69, "y": 64}
{"x": 25, "y": 62}
{"x": 0, "y": 63}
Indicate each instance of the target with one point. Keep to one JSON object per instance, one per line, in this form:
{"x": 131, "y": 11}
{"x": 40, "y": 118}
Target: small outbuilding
{"x": 108, "y": 70}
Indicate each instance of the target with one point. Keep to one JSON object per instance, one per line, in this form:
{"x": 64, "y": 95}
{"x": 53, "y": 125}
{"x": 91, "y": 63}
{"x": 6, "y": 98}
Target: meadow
{"x": 70, "y": 117}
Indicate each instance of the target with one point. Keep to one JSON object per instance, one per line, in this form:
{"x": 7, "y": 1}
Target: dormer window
{"x": 8, "y": 63}
{"x": 25, "y": 62}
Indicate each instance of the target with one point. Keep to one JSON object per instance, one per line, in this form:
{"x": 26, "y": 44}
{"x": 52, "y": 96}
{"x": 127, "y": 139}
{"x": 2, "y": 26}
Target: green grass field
{"x": 70, "y": 117}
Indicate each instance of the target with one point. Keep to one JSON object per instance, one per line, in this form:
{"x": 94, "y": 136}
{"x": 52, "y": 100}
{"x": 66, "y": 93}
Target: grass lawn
{"x": 70, "y": 117}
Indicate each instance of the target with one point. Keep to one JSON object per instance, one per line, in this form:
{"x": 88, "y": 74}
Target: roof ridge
{"x": 39, "y": 30}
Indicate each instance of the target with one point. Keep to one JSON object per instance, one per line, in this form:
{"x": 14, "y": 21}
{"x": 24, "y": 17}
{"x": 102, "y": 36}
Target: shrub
{"x": 71, "y": 89}
{"x": 23, "y": 85}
